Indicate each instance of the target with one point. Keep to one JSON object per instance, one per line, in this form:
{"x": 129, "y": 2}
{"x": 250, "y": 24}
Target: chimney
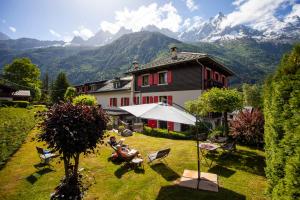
{"x": 173, "y": 50}
{"x": 135, "y": 64}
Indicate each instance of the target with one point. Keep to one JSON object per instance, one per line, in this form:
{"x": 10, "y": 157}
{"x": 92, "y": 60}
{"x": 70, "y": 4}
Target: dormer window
{"x": 145, "y": 80}
{"x": 117, "y": 84}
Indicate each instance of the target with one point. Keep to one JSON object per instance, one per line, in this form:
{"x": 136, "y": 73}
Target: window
{"x": 163, "y": 124}
{"x": 208, "y": 74}
{"x": 117, "y": 84}
{"x": 145, "y": 80}
{"x": 162, "y": 78}
{"x": 125, "y": 101}
{"x": 113, "y": 102}
{"x": 217, "y": 76}
{"x": 163, "y": 99}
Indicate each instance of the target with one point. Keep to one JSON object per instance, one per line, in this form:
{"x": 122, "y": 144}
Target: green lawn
{"x": 240, "y": 175}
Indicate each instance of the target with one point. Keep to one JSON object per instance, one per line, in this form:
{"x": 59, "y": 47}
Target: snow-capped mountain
{"x": 212, "y": 30}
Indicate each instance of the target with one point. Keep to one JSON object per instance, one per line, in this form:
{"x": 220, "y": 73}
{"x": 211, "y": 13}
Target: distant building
{"x": 21, "y": 95}
{"x": 173, "y": 79}
{"x": 6, "y": 92}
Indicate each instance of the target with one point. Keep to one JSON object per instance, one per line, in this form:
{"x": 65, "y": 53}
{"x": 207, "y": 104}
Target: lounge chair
{"x": 159, "y": 155}
{"x": 45, "y": 155}
{"x": 229, "y": 147}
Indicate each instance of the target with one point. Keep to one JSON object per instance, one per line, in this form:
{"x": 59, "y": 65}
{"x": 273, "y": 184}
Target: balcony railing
{"x": 212, "y": 83}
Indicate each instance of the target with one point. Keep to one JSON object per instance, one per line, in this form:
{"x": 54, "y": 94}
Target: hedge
{"x": 282, "y": 128}
{"x": 19, "y": 104}
{"x": 164, "y": 133}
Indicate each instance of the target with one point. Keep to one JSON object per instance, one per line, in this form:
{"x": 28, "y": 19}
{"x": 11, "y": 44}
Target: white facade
{"x": 103, "y": 98}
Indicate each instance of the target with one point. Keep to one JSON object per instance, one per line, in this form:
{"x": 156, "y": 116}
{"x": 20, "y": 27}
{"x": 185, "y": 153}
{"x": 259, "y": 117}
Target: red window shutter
{"x": 134, "y": 100}
{"x": 169, "y": 77}
{"x": 152, "y": 123}
{"x": 115, "y": 102}
{"x": 170, "y": 100}
{"x": 155, "y": 78}
{"x": 155, "y": 99}
{"x": 144, "y": 100}
{"x": 150, "y": 79}
{"x": 110, "y": 102}
{"x": 171, "y": 126}
{"x": 140, "y": 81}
{"x": 151, "y": 99}
{"x": 127, "y": 103}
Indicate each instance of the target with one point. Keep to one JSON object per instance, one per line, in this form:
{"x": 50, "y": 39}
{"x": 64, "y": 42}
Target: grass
{"x": 240, "y": 175}
{"x": 15, "y": 123}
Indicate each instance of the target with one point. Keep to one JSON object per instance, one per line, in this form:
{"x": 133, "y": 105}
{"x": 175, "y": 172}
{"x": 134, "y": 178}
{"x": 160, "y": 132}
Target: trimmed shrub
{"x": 88, "y": 100}
{"x": 21, "y": 104}
{"x": 282, "y": 128}
{"x": 163, "y": 133}
{"x": 6, "y": 103}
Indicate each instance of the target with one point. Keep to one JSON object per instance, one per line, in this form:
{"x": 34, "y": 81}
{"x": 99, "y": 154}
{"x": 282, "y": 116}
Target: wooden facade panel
{"x": 187, "y": 76}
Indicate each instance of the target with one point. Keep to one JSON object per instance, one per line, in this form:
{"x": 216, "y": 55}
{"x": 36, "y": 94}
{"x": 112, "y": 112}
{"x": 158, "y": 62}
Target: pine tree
{"x": 59, "y": 88}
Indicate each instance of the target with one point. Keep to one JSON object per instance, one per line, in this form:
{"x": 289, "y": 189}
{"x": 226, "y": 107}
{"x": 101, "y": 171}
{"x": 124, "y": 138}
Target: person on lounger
{"x": 127, "y": 153}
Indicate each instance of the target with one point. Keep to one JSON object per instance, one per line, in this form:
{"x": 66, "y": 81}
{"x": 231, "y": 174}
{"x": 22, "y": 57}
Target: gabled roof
{"x": 22, "y": 93}
{"x": 181, "y": 58}
{"x": 125, "y": 84}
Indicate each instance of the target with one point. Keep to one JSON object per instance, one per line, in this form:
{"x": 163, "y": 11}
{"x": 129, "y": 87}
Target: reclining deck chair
{"x": 159, "y": 155}
{"x": 45, "y": 156}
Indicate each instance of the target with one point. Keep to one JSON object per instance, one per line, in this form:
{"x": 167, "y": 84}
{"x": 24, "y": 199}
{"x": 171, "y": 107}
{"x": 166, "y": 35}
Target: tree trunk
{"x": 226, "y": 124}
{"x": 75, "y": 170}
{"x": 66, "y": 165}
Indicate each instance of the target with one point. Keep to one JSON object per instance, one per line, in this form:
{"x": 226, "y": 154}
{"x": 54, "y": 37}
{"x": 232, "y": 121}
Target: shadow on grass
{"x": 165, "y": 171}
{"x": 123, "y": 169}
{"x": 174, "y": 192}
{"x": 221, "y": 171}
{"x": 35, "y": 176}
{"x": 242, "y": 160}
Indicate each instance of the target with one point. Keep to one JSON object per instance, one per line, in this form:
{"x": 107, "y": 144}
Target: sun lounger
{"x": 45, "y": 155}
{"x": 159, "y": 155}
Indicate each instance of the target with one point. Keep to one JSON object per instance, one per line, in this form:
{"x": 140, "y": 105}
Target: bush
{"x": 163, "y": 133}
{"x": 248, "y": 127}
{"x": 85, "y": 99}
{"x": 282, "y": 128}
{"x": 21, "y": 104}
{"x": 121, "y": 128}
{"x": 15, "y": 123}
{"x": 216, "y": 132}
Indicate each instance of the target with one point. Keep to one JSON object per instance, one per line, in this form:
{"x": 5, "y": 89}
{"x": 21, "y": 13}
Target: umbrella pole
{"x": 198, "y": 151}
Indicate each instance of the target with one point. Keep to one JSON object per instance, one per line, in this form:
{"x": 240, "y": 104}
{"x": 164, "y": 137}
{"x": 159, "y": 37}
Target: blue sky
{"x": 62, "y": 19}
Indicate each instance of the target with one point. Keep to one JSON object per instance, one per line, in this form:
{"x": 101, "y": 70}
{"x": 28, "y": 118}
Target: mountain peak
{"x": 4, "y": 36}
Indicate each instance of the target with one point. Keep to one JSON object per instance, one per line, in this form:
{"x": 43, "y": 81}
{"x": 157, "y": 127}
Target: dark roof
{"x": 181, "y": 57}
{"x": 91, "y": 83}
{"x": 109, "y": 85}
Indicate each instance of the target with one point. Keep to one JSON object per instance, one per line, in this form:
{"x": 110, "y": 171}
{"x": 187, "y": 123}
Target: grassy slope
{"x": 15, "y": 123}
{"x": 240, "y": 176}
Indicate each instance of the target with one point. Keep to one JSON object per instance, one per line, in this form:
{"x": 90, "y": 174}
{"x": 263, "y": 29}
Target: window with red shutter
{"x": 151, "y": 99}
{"x": 169, "y": 78}
{"x": 155, "y": 99}
{"x": 122, "y": 100}
{"x": 140, "y": 81}
{"x": 144, "y": 100}
{"x": 170, "y": 100}
{"x": 134, "y": 101}
{"x": 155, "y": 78}
{"x": 151, "y": 79}
{"x": 171, "y": 126}
{"x": 110, "y": 102}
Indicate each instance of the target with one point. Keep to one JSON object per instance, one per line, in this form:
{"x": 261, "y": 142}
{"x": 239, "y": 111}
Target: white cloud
{"x": 191, "y": 5}
{"x": 238, "y": 2}
{"x": 295, "y": 11}
{"x": 54, "y": 33}
{"x": 192, "y": 23}
{"x": 12, "y": 29}
{"x": 256, "y": 13}
{"x": 165, "y": 16}
{"x": 83, "y": 32}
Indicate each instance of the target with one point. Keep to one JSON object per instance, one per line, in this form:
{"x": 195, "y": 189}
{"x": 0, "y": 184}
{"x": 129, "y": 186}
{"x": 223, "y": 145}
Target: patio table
{"x": 206, "y": 147}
